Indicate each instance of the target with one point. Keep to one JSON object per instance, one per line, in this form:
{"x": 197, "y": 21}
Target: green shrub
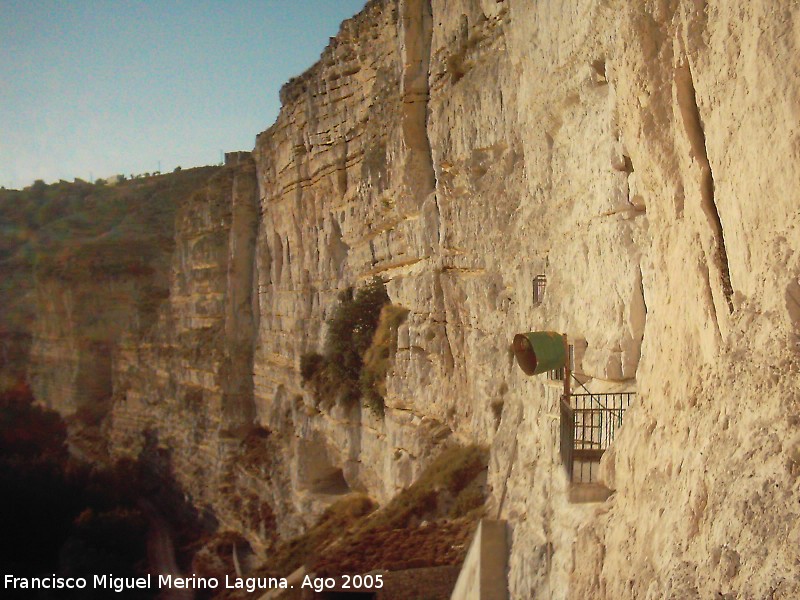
{"x": 336, "y": 373}
{"x": 311, "y": 363}
{"x": 373, "y": 399}
{"x": 351, "y": 328}
{"x": 362, "y": 332}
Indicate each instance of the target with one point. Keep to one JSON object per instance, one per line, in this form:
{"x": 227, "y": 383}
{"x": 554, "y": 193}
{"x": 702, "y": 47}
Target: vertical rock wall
{"x": 707, "y": 499}
{"x": 70, "y": 365}
{"x": 620, "y": 150}
{"x": 185, "y": 389}
{"x": 642, "y": 156}
{"x": 346, "y": 182}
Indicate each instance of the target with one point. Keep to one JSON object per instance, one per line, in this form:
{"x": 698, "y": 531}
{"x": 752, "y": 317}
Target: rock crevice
{"x": 461, "y": 150}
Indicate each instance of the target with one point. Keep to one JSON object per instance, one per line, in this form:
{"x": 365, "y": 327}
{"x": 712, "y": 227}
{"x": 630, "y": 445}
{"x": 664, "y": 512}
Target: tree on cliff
{"x": 336, "y": 373}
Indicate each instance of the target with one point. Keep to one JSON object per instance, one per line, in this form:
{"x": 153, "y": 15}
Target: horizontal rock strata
{"x": 642, "y": 156}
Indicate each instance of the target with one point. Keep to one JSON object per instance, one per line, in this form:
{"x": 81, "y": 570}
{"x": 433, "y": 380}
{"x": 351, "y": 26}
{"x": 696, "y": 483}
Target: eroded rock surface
{"x": 641, "y": 155}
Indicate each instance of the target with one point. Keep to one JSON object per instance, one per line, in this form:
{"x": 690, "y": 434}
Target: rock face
{"x": 185, "y": 390}
{"x": 71, "y": 366}
{"x": 91, "y": 266}
{"x": 642, "y": 156}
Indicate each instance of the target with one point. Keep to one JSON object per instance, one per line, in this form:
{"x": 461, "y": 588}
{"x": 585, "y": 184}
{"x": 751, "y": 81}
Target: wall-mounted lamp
{"x": 539, "y": 351}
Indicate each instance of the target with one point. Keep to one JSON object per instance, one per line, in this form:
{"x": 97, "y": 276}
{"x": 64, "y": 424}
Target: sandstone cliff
{"x": 642, "y": 156}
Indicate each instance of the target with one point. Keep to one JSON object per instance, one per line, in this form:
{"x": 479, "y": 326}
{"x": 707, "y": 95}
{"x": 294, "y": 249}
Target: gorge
{"x": 642, "y": 157}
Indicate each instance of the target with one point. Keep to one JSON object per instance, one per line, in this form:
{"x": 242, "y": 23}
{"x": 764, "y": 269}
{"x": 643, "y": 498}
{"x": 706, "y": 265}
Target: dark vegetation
{"x": 362, "y": 330}
{"x": 257, "y": 450}
{"x": 61, "y": 517}
{"x": 213, "y": 557}
{"x": 47, "y": 226}
{"x": 68, "y": 518}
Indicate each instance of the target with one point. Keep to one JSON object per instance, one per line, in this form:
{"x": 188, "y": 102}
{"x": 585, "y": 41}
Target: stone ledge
{"x": 584, "y": 493}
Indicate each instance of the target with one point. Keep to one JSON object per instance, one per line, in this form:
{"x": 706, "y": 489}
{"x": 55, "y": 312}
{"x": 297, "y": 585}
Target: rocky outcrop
{"x": 92, "y": 267}
{"x": 71, "y": 357}
{"x": 373, "y": 169}
{"x": 610, "y": 148}
{"x": 641, "y": 156}
{"x": 184, "y": 390}
{"x": 704, "y": 474}
{"x": 346, "y": 183}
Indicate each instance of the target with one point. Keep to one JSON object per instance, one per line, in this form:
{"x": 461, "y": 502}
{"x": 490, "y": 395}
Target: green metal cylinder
{"x": 539, "y": 351}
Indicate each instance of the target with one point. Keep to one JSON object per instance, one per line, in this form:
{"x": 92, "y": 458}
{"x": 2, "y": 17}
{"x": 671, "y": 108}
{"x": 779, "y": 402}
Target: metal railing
{"x": 589, "y": 423}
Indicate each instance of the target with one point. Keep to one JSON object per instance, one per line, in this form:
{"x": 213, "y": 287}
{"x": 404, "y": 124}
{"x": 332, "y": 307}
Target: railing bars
{"x": 580, "y": 383}
{"x": 587, "y": 431}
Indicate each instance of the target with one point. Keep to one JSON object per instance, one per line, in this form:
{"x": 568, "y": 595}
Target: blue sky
{"x": 93, "y": 88}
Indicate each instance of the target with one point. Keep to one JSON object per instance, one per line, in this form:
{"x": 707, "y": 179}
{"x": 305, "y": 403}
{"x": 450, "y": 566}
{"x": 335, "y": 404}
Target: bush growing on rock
{"x": 311, "y": 363}
{"x": 337, "y": 373}
{"x": 352, "y": 327}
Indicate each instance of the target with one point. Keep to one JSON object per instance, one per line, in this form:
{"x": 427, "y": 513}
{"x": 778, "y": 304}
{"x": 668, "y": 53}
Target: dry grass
{"x": 433, "y": 544}
{"x": 308, "y": 547}
{"x": 436, "y": 491}
{"x": 379, "y": 355}
{"x": 428, "y": 524}
{"x": 358, "y": 352}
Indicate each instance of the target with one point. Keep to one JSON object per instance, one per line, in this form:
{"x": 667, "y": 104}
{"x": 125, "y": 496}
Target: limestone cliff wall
{"x": 74, "y": 336}
{"x": 184, "y": 390}
{"x": 620, "y": 149}
{"x": 437, "y": 185}
{"x": 90, "y": 266}
{"x": 706, "y": 467}
{"x": 346, "y": 184}
{"x": 640, "y": 155}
